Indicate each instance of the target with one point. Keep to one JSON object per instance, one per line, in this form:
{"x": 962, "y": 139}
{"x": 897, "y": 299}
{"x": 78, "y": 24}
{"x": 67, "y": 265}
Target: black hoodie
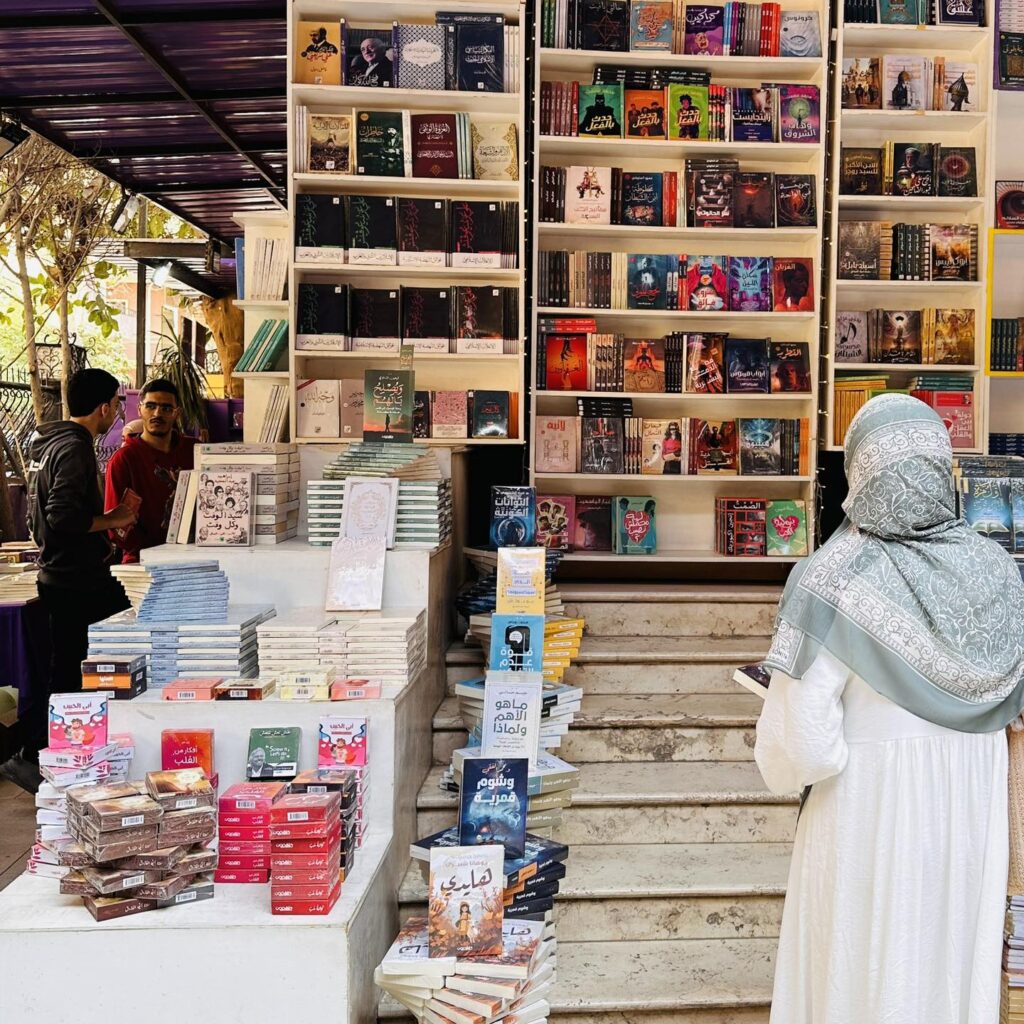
{"x": 65, "y": 496}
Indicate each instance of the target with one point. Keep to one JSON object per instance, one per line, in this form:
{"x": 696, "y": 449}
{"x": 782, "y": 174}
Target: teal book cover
{"x": 635, "y": 526}
{"x": 600, "y": 111}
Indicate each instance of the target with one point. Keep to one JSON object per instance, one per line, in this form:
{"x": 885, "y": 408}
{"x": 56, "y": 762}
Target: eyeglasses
{"x": 165, "y": 407}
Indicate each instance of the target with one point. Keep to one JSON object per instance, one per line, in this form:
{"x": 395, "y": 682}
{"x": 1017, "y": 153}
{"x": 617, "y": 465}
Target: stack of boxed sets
{"x": 343, "y": 743}
{"x": 244, "y": 820}
{"x": 81, "y": 748}
{"x": 124, "y": 676}
{"x": 344, "y": 782}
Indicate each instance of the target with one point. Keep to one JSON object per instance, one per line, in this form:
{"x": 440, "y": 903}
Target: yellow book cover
{"x": 318, "y": 53}
{"x": 520, "y": 581}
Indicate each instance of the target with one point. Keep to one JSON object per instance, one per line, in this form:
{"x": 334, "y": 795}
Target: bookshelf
{"x": 685, "y": 503}
{"x": 434, "y": 371}
{"x": 872, "y": 128}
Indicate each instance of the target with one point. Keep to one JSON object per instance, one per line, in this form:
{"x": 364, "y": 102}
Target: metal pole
{"x": 141, "y": 306}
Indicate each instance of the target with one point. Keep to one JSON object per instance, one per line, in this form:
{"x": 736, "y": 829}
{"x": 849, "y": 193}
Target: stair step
{"x": 394, "y": 1013}
{"x": 655, "y": 981}
{"x": 670, "y": 593}
{"x": 656, "y": 618}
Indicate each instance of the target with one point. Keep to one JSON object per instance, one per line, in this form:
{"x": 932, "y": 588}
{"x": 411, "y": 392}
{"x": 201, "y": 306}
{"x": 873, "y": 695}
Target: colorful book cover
{"x": 715, "y": 442}
{"x": 342, "y": 742}
{"x": 369, "y": 57}
{"x": 513, "y": 516}
{"x": 904, "y": 82}
{"x": 588, "y": 195}
{"x": 786, "y": 528}
{"x": 860, "y": 243}
{"x": 707, "y": 283}
{"x": 648, "y": 281}
{"x": 187, "y": 748}
{"x": 600, "y": 111}
{"x": 793, "y": 284}
{"x": 953, "y": 337}
{"x": 318, "y": 53}
{"x": 224, "y": 508}
{"x": 851, "y": 336}
{"x": 705, "y": 364}
{"x": 959, "y": 85}
{"x": 760, "y": 444}
{"x": 790, "y": 367}
{"x": 643, "y": 362}
{"x": 592, "y": 524}
{"x": 493, "y": 803}
{"x": 704, "y": 28}
{"x": 662, "y": 448}
{"x": 554, "y": 520}
{"x": 753, "y": 115}
{"x": 380, "y": 145}
{"x": 420, "y": 414}
{"x": 635, "y": 526}
{"x": 985, "y": 506}
{"x": 961, "y": 12}
{"x": 273, "y": 753}
{"x": 900, "y": 340}
{"x": 898, "y": 12}
{"x": 1017, "y": 513}
{"x": 78, "y": 720}
{"x": 601, "y": 444}
{"x": 330, "y": 143}
{"x": 796, "y": 204}
{"x": 642, "y": 198}
{"x": 860, "y": 171}
{"x": 712, "y": 199}
{"x": 799, "y": 114}
{"x": 495, "y": 150}
{"x": 651, "y": 25}
{"x": 517, "y": 643}
{"x": 645, "y": 114}
{"x": 913, "y": 169}
{"x": 753, "y": 200}
{"x": 750, "y": 283}
{"x": 952, "y": 246}
{"x": 746, "y": 366}
{"x": 520, "y": 583}
{"x": 387, "y": 405}
{"x": 958, "y": 171}
{"x": 465, "y": 908}
{"x": 565, "y": 362}
{"x": 687, "y": 111}
{"x": 861, "y": 84}
{"x": 511, "y": 714}
{"x": 1010, "y": 204}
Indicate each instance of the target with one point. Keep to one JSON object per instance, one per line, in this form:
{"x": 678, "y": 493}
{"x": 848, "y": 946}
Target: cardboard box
{"x": 243, "y": 877}
{"x": 252, "y": 796}
{"x": 299, "y": 807}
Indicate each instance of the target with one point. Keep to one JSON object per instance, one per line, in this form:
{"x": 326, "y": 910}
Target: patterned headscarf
{"x": 927, "y": 612}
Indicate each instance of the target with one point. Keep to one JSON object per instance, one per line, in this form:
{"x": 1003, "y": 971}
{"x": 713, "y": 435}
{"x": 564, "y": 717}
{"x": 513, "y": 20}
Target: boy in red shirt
{"x": 149, "y": 464}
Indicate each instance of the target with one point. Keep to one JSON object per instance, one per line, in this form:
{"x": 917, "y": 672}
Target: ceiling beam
{"x": 266, "y": 171}
{"x": 120, "y": 99}
{"x": 141, "y": 19}
{"x": 180, "y": 272}
{"x": 91, "y": 153}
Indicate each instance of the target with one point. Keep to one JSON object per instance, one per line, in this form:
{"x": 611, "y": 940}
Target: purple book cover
{"x": 750, "y": 284}
{"x": 799, "y": 114}
{"x": 705, "y": 30}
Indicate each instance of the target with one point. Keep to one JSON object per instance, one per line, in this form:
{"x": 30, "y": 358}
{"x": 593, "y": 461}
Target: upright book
{"x": 387, "y": 405}
{"x": 465, "y": 907}
{"x": 493, "y": 803}
{"x": 225, "y": 507}
{"x": 513, "y": 516}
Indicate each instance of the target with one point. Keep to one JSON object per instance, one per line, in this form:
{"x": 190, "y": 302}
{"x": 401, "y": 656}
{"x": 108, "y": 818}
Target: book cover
{"x": 517, "y": 643}
{"x": 746, "y": 366}
{"x": 600, "y": 111}
{"x": 951, "y": 252}
{"x": 371, "y": 505}
{"x": 554, "y": 521}
{"x": 642, "y": 198}
{"x": 605, "y": 25}
{"x": 480, "y": 57}
{"x": 422, "y": 232}
{"x": 796, "y": 204}
{"x": 492, "y": 803}
{"x": 687, "y": 111}
{"x": 421, "y": 414}
{"x": 643, "y": 361}
{"x": 448, "y": 414}
{"x": 480, "y": 319}
{"x": 704, "y": 29}
{"x": 78, "y": 720}
{"x": 986, "y": 508}
{"x": 753, "y": 200}
{"x": 224, "y": 508}
{"x": 372, "y": 231}
{"x": 957, "y": 411}
{"x": 712, "y": 199}
{"x": 273, "y": 753}
{"x": 321, "y": 319}
{"x": 799, "y": 34}
{"x": 900, "y": 340}
{"x": 495, "y": 150}
{"x": 330, "y": 143}
{"x": 435, "y": 146}
{"x": 588, "y": 195}
{"x": 662, "y": 448}
{"x": 375, "y": 322}
{"x": 650, "y": 25}
{"x": 898, "y": 12}
{"x": 635, "y": 525}
{"x": 592, "y": 523}
{"x": 557, "y": 441}
{"x": 320, "y": 228}
{"x": 905, "y": 81}
{"x": 426, "y": 318}
{"x": 790, "y": 367}
{"x": 565, "y": 362}
{"x": 860, "y": 244}
{"x": 750, "y": 283}
{"x": 351, "y": 402}
{"x": 705, "y": 364}
{"x": 465, "y": 905}
{"x": 187, "y": 748}
{"x": 707, "y": 284}
{"x": 786, "y": 528}
{"x": 715, "y": 442}
{"x": 511, "y": 714}
{"x": 380, "y": 143}
{"x": 520, "y": 582}
{"x": 960, "y": 12}
{"x": 369, "y": 57}
{"x": 644, "y": 114}
{"x": 799, "y": 115}
{"x": 342, "y": 742}
{"x": 1017, "y": 513}
{"x": 793, "y": 284}
{"x": 420, "y": 62}
{"x": 851, "y": 336}
{"x": 953, "y": 337}
{"x": 1010, "y": 204}
{"x": 959, "y": 85}
{"x": 861, "y": 83}
{"x": 318, "y": 408}
{"x": 355, "y": 574}
{"x": 513, "y": 516}
{"x": 476, "y": 234}
{"x": 387, "y": 405}
{"x": 318, "y": 53}
{"x": 860, "y": 171}
{"x": 760, "y": 445}
{"x": 913, "y": 171}
{"x": 601, "y": 445}
{"x": 753, "y": 115}
{"x": 648, "y": 281}
{"x": 958, "y": 171}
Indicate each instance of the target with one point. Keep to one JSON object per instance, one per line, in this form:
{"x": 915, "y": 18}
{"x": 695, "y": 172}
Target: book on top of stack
{"x": 377, "y": 458}
{"x": 562, "y": 637}
{"x": 176, "y": 591}
{"x": 301, "y": 638}
{"x": 390, "y": 645}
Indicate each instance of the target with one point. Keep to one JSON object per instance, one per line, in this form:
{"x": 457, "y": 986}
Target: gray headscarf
{"x": 927, "y": 612}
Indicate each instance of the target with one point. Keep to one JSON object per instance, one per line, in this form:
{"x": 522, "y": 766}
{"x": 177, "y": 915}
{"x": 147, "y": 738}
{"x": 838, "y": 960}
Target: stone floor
{"x": 17, "y": 826}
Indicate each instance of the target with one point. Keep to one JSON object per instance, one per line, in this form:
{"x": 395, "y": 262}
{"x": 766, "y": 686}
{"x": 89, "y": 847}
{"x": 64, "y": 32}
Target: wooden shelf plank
{"x": 377, "y": 185}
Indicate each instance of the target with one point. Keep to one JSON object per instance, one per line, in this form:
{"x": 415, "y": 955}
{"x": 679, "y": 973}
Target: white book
{"x": 188, "y": 512}
{"x": 318, "y": 408}
{"x": 178, "y": 506}
{"x": 224, "y": 508}
{"x": 355, "y": 578}
{"x": 371, "y": 504}
{"x": 511, "y": 717}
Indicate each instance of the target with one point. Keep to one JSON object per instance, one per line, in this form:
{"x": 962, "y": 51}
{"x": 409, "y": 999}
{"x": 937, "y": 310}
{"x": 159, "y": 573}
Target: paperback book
{"x": 493, "y": 803}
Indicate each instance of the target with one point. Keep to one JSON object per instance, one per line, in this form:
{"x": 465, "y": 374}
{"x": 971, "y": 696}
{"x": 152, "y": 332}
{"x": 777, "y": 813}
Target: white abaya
{"x": 897, "y": 887}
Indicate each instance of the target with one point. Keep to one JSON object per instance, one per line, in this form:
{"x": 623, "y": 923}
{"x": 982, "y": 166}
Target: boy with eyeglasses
{"x": 149, "y": 464}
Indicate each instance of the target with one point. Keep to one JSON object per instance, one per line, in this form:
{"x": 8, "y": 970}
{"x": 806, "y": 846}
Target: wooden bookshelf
{"x": 434, "y": 371}
{"x": 872, "y": 128}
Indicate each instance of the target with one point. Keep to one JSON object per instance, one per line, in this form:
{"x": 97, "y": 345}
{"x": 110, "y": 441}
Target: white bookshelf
{"x": 685, "y": 512}
{"x": 872, "y": 128}
{"x": 434, "y": 371}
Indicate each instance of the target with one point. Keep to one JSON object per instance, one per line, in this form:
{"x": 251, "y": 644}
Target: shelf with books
{"x": 678, "y": 555}
{"x": 616, "y": 235}
{"x": 262, "y": 305}
{"x": 677, "y": 396}
{"x": 750, "y": 482}
{"x": 907, "y": 367}
{"x": 390, "y": 185}
{"x": 342, "y": 97}
{"x": 439, "y": 442}
{"x": 896, "y": 206}
{"x": 575, "y": 149}
{"x": 720, "y": 317}
{"x": 263, "y": 375}
{"x": 487, "y": 274}
{"x": 913, "y": 121}
{"x": 850, "y": 285}
{"x": 574, "y": 62}
{"x": 386, "y": 11}
{"x": 439, "y": 357}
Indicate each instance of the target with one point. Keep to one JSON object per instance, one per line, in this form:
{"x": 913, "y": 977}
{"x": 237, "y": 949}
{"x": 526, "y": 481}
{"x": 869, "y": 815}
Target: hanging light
{"x": 162, "y": 274}
{"x": 127, "y": 208}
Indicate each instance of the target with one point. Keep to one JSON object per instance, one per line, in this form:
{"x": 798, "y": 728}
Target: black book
{"x": 320, "y": 228}
{"x": 796, "y": 204}
{"x": 476, "y": 234}
{"x": 753, "y": 199}
{"x": 380, "y": 146}
{"x": 604, "y": 25}
{"x": 426, "y": 318}
{"x": 375, "y": 313}
{"x": 421, "y": 414}
{"x": 746, "y": 366}
{"x": 860, "y": 250}
{"x": 488, "y": 413}
{"x": 913, "y": 169}
{"x": 601, "y": 445}
{"x": 372, "y": 230}
{"x": 321, "y": 320}
{"x": 422, "y": 232}
{"x": 480, "y": 310}
{"x": 958, "y": 171}
{"x": 369, "y": 57}
{"x": 480, "y": 57}
{"x": 860, "y": 171}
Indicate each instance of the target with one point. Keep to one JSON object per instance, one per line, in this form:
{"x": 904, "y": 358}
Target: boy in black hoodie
{"x": 69, "y": 525}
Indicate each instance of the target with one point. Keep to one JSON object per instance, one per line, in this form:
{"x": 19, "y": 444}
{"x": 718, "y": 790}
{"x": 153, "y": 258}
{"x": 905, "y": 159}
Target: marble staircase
{"x": 671, "y": 905}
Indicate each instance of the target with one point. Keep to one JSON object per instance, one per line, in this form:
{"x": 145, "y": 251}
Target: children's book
{"x": 465, "y": 908}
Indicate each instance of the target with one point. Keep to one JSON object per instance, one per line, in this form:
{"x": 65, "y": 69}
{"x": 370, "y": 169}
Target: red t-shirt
{"x": 153, "y": 476}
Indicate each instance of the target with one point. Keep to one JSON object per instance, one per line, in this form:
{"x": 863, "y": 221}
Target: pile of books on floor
{"x": 1012, "y": 1008}
{"x": 424, "y": 518}
{"x": 375, "y": 458}
{"x": 176, "y": 591}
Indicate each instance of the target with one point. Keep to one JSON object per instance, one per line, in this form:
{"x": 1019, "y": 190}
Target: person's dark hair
{"x": 90, "y": 388}
{"x": 161, "y": 385}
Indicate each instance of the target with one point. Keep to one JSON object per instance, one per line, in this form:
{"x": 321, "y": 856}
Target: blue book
{"x": 986, "y": 507}
{"x": 513, "y": 517}
{"x": 642, "y": 201}
{"x": 753, "y": 115}
{"x": 648, "y": 281}
{"x": 517, "y": 643}
{"x": 492, "y": 804}
{"x": 240, "y": 268}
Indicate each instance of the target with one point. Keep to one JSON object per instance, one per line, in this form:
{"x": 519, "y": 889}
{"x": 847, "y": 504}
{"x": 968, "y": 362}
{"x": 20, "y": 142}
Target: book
{"x": 350, "y": 393}
{"x": 953, "y": 252}
{"x": 750, "y": 283}
{"x": 318, "y": 408}
{"x": 321, "y": 319}
{"x": 860, "y": 171}
{"x": 644, "y": 114}
{"x": 904, "y": 81}
{"x": 851, "y": 336}
{"x": 687, "y": 111}
{"x": 369, "y": 57}
{"x": 960, "y": 12}
{"x": 488, "y": 413}
{"x": 898, "y": 12}
{"x": 793, "y": 284}
{"x": 760, "y": 446}
{"x": 342, "y": 742}
{"x": 715, "y": 445}
{"x": 318, "y": 53}
{"x": 320, "y": 228}
{"x": 1010, "y": 204}
{"x": 957, "y": 89}
{"x": 513, "y": 516}
{"x": 662, "y": 448}
{"x": 387, "y": 405}
{"x": 746, "y": 366}
{"x": 957, "y": 171}
{"x": 371, "y": 507}
{"x": 435, "y": 145}
{"x": 492, "y": 803}
{"x": 859, "y": 257}
{"x": 554, "y": 520}
{"x": 601, "y": 445}
{"x": 647, "y": 285}
{"x": 422, "y": 232}
{"x": 592, "y": 523}
{"x": 78, "y": 720}
{"x": 476, "y": 233}
{"x": 557, "y": 441}
{"x": 480, "y": 57}
{"x": 605, "y": 25}
{"x": 380, "y": 143}
{"x": 421, "y": 414}
{"x": 465, "y": 905}
{"x": 355, "y": 575}
{"x": 753, "y": 115}
{"x": 495, "y": 150}
{"x": 755, "y": 678}
{"x": 273, "y": 753}
{"x": 799, "y": 34}
{"x": 900, "y": 340}
{"x": 330, "y": 143}
{"x": 520, "y": 582}
{"x": 448, "y": 414}
{"x": 861, "y": 83}
{"x": 224, "y": 508}
{"x": 588, "y": 195}
{"x": 641, "y": 201}
{"x": 565, "y": 357}
{"x": 600, "y": 109}
{"x": 634, "y": 527}
{"x": 426, "y": 318}
{"x": 420, "y": 56}
{"x": 953, "y": 336}
{"x": 913, "y": 169}
{"x": 786, "y": 528}
{"x": 790, "y": 367}
{"x": 511, "y": 715}
{"x": 796, "y": 203}
{"x": 799, "y": 115}
{"x": 712, "y": 202}
{"x": 643, "y": 362}
{"x": 703, "y": 30}
{"x": 517, "y": 643}
{"x": 372, "y": 230}
{"x": 650, "y": 25}
{"x": 753, "y": 200}
{"x": 707, "y": 287}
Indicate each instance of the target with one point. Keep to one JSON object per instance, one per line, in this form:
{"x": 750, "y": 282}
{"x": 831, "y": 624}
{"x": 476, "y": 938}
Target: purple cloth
{"x": 24, "y": 647}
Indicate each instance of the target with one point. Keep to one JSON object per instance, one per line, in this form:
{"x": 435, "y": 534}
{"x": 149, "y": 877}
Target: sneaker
{"x": 22, "y": 773}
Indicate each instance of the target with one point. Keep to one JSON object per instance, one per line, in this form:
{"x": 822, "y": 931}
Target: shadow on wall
{"x": 832, "y": 488}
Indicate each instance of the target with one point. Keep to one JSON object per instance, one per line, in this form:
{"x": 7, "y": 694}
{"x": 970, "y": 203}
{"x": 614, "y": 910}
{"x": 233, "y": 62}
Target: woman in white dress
{"x": 898, "y": 660}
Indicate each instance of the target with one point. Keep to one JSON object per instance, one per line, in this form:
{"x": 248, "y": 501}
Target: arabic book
{"x": 517, "y": 643}
{"x": 492, "y": 805}
{"x": 511, "y": 715}
{"x": 465, "y": 904}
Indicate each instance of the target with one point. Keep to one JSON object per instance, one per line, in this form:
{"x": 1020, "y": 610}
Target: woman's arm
{"x": 800, "y": 731}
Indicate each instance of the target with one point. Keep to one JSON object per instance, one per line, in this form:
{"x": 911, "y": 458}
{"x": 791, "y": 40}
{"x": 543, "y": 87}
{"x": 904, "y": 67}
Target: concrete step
{"x": 639, "y": 727}
{"x": 655, "y": 618}
{"x": 667, "y": 802}
{"x": 577, "y": 592}
{"x": 658, "y": 891}
{"x": 691, "y": 981}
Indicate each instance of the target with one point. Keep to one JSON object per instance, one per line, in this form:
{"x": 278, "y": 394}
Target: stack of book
{"x": 227, "y": 648}
{"x": 264, "y": 268}
{"x": 18, "y": 582}
{"x": 939, "y": 336}
{"x": 990, "y": 497}
{"x": 243, "y": 817}
{"x": 561, "y": 643}
{"x": 481, "y": 596}
{"x": 424, "y": 517}
{"x": 1005, "y": 444}
{"x": 371, "y": 458}
{"x": 759, "y": 527}
{"x": 883, "y": 251}
{"x": 390, "y": 646}
{"x": 1012, "y": 1008}
{"x": 586, "y": 279}
{"x": 1007, "y": 351}
{"x": 908, "y": 169}
{"x": 124, "y": 636}
{"x": 850, "y": 393}
{"x": 265, "y": 349}
{"x": 345, "y": 781}
{"x": 733, "y": 28}
{"x": 300, "y": 638}
{"x": 175, "y": 591}
{"x": 343, "y": 745}
{"x": 305, "y": 836}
